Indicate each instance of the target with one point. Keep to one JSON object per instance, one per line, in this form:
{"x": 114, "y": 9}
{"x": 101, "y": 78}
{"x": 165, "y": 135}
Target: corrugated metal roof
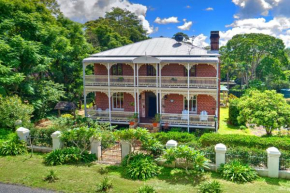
{"x": 162, "y": 59}
{"x": 155, "y": 47}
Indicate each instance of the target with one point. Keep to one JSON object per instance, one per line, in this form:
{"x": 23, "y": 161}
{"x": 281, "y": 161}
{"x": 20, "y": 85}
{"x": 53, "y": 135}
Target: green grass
{"x": 226, "y": 128}
{"x": 6, "y": 135}
{"x": 84, "y": 178}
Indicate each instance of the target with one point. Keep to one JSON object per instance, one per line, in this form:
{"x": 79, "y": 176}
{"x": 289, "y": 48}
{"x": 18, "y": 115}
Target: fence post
{"x": 96, "y": 147}
{"x": 273, "y": 162}
{"x": 23, "y": 133}
{"x": 220, "y": 154}
{"x": 125, "y": 148}
{"x": 56, "y": 142}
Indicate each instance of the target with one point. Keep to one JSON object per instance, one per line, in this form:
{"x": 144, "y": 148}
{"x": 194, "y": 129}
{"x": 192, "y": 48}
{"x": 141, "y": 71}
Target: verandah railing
{"x": 150, "y": 81}
{"x": 182, "y": 119}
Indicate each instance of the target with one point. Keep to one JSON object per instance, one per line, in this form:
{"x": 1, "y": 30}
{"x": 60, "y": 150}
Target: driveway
{"x": 9, "y": 188}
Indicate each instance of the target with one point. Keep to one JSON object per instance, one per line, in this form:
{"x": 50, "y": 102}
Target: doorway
{"x": 150, "y": 103}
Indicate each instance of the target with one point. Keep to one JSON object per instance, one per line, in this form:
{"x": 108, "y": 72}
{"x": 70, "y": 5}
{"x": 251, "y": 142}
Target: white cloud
{"x": 199, "y": 41}
{"x": 166, "y": 20}
{"x": 277, "y": 27}
{"x": 253, "y": 8}
{"x": 186, "y": 25}
{"x": 188, "y": 7}
{"x": 84, "y": 10}
{"x": 209, "y": 9}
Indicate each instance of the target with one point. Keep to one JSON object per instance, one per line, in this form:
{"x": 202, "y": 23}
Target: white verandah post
{"x": 157, "y": 100}
{"x": 109, "y": 93}
{"x": 135, "y": 106}
{"x": 84, "y": 84}
{"x": 188, "y": 99}
{"x": 217, "y": 98}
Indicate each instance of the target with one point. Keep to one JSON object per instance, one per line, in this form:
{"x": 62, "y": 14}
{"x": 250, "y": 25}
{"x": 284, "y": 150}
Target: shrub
{"x": 236, "y": 172}
{"x": 141, "y": 167}
{"x": 177, "y": 136}
{"x": 192, "y": 158}
{"x": 78, "y": 137}
{"x": 153, "y": 146}
{"x": 13, "y": 147}
{"x": 105, "y": 185}
{"x": 210, "y": 187}
{"x": 232, "y": 140}
{"x": 146, "y": 189}
{"x": 12, "y": 109}
{"x": 51, "y": 177}
{"x": 70, "y": 155}
{"x": 42, "y": 137}
{"x": 103, "y": 170}
{"x": 234, "y": 112}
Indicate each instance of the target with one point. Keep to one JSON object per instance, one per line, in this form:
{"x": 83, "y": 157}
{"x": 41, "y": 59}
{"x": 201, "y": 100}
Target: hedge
{"x": 231, "y": 140}
{"x": 234, "y": 112}
{"x": 180, "y": 137}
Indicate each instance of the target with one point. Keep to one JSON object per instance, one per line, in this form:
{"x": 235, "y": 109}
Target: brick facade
{"x": 128, "y": 100}
{"x": 100, "y": 69}
{"x": 102, "y": 101}
{"x": 206, "y": 103}
{"x": 176, "y": 106}
{"x": 173, "y": 70}
{"x": 205, "y": 70}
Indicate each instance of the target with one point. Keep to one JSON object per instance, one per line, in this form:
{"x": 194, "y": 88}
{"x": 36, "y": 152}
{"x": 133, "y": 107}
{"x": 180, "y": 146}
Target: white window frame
{"x": 115, "y": 99}
{"x": 191, "y": 98}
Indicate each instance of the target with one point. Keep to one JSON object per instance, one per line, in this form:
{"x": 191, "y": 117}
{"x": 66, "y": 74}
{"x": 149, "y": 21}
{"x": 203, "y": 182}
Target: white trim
{"x": 118, "y": 98}
{"x": 191, "y": 98}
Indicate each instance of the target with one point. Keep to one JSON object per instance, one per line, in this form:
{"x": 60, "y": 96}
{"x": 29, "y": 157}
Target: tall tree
{"x": 40, "y": 50}
{"x": 264, "y": 54}
{"x": 119, "y": 27}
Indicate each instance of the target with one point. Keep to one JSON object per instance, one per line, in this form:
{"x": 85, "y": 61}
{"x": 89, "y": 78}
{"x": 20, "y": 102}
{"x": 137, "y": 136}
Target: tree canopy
{"x": 267, "y": 109}
{"x": 253, "y": 57}
{"x": 118, "y": 28}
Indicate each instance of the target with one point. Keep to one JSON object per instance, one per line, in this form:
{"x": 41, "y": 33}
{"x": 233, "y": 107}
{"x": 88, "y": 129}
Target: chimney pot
{"x": 214, "y": 40}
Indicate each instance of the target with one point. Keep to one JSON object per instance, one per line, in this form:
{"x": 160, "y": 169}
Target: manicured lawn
{"x": 83, "y": 178}
{"x": 226, "y": 128}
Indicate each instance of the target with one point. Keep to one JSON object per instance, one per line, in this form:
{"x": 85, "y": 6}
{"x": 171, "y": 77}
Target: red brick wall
{"x": 100, "y": 69}
{"x": 128, "y": 98}
{"x": 128, "y": 70}
{"x": 176, "y": 106}
{"x": 102, "y": 101}
{"x": 205, "y": 70}
{"x": 143, "y": 70}
{"x": 173, "y": 70}
{"x": 206, "y": 103}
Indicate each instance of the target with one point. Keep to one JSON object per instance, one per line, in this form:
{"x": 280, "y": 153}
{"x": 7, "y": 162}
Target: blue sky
{"x": 194, "y": 17}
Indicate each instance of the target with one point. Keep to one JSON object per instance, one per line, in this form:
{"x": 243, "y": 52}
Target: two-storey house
{"x": 156, "y": 76}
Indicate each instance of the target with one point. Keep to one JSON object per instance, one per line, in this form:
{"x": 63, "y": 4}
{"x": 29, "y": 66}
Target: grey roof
{"x": 155, "y": 47}
{"x": 161, "y": 59}
{"x": 64, "y": 105}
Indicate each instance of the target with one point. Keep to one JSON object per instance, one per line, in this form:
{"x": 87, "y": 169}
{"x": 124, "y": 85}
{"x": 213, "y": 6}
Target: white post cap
{"x": 171, "y": 143}
{"x": 220, "y": 148}
{"x": 56, "y": 134}
{"x": 273, "y": 151}
{"x": 22, "y": 130}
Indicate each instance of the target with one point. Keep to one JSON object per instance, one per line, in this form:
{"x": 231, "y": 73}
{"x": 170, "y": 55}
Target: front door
{"x": 150, "y": 104}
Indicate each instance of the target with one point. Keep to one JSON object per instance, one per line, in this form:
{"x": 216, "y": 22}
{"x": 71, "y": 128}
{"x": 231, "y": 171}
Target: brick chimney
{"x": 214, "y": 40}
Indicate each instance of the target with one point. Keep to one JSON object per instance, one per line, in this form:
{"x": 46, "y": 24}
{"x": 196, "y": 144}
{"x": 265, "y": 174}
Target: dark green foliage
{"x": 42, "y": 136}
{"x": 105, "y": 185}
{"x": 13, "y": 147}
{"x": 237, "y": 172}
{"x": 210, "y": 187}
{"x": 140, "y": 167}
{"x": 234, "y": 113}
{"x": 12, "y": 109}
{"x": 70, "y": 155}
{"x": 40, "y": 54}
{"x": 51, "y": 177}
{"x": 153, "y": 146}
{"x": 146, "y": 189}
{"x": 231, "y": 140}
{"x": 103, "y": 170}
{"x": 177, "y": 136}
